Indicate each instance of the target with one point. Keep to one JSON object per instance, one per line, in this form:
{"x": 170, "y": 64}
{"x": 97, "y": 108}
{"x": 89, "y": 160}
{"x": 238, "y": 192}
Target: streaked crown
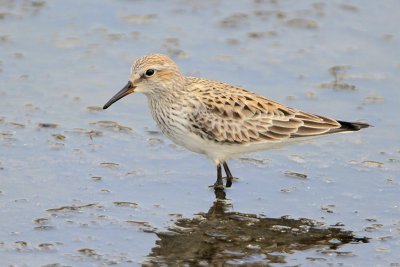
{"x": 156, "y": 61}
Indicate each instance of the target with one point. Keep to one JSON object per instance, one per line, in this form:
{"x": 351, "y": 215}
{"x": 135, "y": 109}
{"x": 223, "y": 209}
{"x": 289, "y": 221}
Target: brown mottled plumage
{"x": 219, "y": 120}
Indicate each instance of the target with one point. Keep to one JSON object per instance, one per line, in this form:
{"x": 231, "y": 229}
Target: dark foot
{"x": 228, "y": 182}
{"x": 218, "y": 186}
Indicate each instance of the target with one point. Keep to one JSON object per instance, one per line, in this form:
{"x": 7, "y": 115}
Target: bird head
{"x": 152, "y": 75}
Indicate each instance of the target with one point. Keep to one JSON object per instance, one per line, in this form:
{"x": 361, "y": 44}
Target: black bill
{"x": 128, "y": 89}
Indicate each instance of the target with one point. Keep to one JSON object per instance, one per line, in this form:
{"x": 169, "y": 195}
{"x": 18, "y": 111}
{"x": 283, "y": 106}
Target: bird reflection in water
{"x": 222, "y": 237}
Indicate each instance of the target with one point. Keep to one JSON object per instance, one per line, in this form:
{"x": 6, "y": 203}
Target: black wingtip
{"x": 353, "y": 126}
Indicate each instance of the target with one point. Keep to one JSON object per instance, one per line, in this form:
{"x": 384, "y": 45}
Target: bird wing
{"x": 231, "y": 114}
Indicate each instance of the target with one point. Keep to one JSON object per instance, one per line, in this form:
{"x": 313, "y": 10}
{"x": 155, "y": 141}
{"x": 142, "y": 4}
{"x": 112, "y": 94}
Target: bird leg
{"x": 229, "y": 176}
{"x": 219, "y": 183}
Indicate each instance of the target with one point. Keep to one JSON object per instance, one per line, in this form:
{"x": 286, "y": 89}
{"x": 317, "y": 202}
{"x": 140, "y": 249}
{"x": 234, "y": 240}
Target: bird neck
{"x": 168, "y": 92}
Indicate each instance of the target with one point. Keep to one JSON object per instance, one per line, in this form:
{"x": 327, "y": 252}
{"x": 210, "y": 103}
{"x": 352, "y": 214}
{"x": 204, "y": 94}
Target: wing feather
{"x": 231, "y": 114}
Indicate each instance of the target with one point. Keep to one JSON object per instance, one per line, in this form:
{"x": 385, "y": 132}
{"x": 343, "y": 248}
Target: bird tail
{"x": 352, "y": 126}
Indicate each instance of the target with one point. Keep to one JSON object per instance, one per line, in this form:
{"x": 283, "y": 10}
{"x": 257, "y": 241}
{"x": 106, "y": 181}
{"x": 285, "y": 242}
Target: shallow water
{"x": 80, "y": 186}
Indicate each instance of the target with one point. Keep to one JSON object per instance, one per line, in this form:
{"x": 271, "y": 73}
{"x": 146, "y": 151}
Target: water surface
{"x": 80, "y": 186}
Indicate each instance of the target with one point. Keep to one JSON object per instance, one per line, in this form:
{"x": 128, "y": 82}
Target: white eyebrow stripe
{"x": 156, "y": 68}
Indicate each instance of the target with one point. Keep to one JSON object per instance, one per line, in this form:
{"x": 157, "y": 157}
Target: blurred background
{"x": 80, "y": 186}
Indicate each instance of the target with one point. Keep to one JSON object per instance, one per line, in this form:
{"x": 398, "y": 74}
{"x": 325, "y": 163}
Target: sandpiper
{"x": 219, "y": 120}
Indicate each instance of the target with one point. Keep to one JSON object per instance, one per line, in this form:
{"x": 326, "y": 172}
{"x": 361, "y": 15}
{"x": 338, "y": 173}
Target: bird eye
{"x": 149, "y": 72}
